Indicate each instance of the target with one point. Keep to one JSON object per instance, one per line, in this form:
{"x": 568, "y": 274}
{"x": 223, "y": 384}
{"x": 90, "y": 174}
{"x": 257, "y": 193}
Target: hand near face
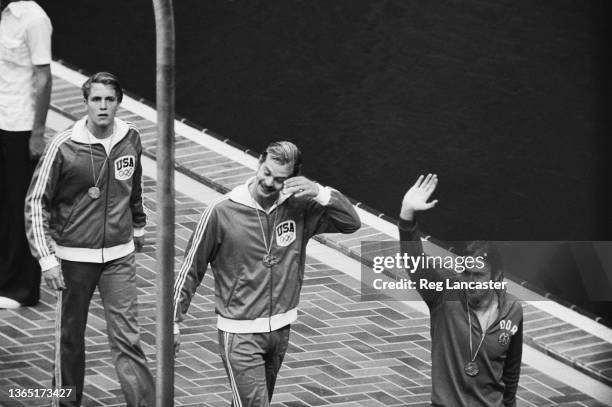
{"x": 300, "y": 187}
{"x": 416, "y": 199}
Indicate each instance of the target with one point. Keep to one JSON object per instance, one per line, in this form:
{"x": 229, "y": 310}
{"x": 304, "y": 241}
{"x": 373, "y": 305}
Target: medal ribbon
{"x": 263, "y": 233}
{"x": 93, "y": 171}
{"x": 484, "y": 332}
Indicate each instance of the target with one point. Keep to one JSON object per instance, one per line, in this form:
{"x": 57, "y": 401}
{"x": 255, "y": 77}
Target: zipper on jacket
{"x": 271, "y": 272}
{"x": 106, "y": 200}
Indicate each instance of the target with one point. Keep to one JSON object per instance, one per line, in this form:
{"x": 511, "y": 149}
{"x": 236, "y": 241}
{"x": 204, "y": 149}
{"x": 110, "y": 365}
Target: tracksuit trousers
{"x": 252, "y": 362}
{"x": 116, "y": 281}
{"x": 19, "y": 270}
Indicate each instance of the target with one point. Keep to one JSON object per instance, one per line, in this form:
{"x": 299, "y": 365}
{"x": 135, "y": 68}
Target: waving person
{"x": 476, "y": 334}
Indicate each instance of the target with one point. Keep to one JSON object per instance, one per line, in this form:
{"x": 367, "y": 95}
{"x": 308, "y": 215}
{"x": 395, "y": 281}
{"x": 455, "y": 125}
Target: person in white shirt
{"x": 25, "y": 90}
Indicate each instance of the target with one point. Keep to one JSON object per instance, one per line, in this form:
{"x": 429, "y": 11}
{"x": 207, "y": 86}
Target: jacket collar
{"x": 81, "y": 134}
{"x": 241, "y": 195}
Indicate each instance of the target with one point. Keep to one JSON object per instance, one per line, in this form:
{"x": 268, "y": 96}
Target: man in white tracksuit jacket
{"x": 255, "y": 240}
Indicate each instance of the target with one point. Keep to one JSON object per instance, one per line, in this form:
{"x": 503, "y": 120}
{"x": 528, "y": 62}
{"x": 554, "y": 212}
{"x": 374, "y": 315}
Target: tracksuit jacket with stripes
{"x": 250, "y": 297}
{"x": 63, "y": 221}
{"x": 499, "y": 357}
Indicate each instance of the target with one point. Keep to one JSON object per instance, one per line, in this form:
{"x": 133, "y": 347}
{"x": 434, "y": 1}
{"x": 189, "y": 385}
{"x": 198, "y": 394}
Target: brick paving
{"x": 204, "y": 165}
{"x": 343, "y": 352}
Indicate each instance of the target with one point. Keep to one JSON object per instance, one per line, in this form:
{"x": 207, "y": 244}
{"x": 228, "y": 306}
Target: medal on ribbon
{"x": 269, "y": 260}
{"x": 471, "y": 369}
{"x": 94, "y": 191}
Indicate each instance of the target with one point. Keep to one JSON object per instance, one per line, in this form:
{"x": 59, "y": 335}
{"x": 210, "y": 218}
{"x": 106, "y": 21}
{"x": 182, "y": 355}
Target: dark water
{"x": 507, "y": 101}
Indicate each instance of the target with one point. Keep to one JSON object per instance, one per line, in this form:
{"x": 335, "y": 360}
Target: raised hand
{"x": 416, "y": 199}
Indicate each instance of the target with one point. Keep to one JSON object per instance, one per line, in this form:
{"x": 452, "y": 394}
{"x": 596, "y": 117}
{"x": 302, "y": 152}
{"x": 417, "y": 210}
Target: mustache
{"x": 266, "y": 188}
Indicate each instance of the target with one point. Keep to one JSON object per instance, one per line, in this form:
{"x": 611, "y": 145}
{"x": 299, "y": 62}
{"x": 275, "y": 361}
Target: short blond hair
{"x": 284, "y": 152}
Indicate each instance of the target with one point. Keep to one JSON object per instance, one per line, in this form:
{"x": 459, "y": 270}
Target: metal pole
{"x": 164, "y": 23}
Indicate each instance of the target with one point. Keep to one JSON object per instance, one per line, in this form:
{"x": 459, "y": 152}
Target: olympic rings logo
{"x": 123, "y": 174}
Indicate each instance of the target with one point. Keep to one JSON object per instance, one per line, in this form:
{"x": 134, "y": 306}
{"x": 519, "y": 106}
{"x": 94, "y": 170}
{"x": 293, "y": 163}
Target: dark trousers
{"x": 19, "y": 271}
{"x": 252, "y": 362}
{"x": 116, "y": 281}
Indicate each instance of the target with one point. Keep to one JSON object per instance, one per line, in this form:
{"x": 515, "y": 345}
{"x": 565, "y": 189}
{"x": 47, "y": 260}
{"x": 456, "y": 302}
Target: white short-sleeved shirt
{"x": 25, "y": 41}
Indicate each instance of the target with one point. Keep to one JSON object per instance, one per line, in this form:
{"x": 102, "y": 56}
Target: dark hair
{"x": 284, "y": 152}
{"x": 493, "y": 258}
{"x": 104, "y": 78}
{"x": 491, "y": 254}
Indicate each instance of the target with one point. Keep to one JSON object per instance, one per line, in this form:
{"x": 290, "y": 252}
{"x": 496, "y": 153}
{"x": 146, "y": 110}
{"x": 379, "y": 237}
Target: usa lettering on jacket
{"x": 285, "y": 233}
{"x": 124, "y": 167}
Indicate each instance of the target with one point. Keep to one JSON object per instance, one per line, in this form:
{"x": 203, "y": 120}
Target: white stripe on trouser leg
{"x": 58, "y": 334}
{"x": 230, "y": 373}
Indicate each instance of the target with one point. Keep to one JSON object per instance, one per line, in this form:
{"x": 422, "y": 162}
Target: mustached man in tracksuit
{"x": 476, "y": 334}
{"x": 84, "y": 217}
{"x": 255, "y": 240}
